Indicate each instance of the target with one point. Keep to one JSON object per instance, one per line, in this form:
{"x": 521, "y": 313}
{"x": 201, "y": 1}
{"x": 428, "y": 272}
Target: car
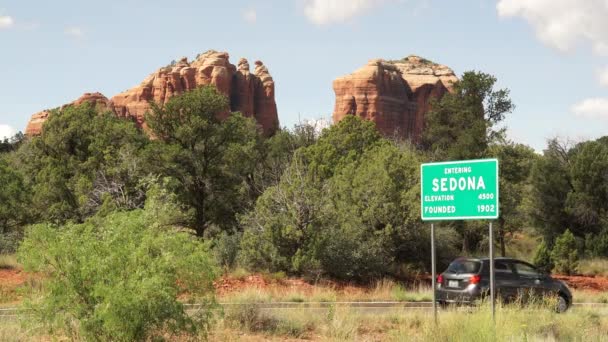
{"x": 467, "y": 280}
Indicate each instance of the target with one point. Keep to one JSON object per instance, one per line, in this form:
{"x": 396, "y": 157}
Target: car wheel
{"x": 562, "y": 304}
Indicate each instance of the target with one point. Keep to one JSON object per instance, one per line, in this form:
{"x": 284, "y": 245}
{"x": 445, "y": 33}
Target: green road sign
{"x": 459, "y": 190}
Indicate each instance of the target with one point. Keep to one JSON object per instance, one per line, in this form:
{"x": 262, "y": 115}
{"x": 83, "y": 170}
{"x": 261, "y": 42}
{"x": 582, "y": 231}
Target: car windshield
{"x": 464, "y": 266}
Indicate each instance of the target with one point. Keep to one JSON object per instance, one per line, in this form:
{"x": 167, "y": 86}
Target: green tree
{"x": 542, "y": 258}
{"x": 461, "y": 124}
{"x": 284, "y": 231}
{"x": 14, "y": 199}
{"x": 118, "y": 277}
{"x": 82, "y": 161}
{"x": 587, "y": 202}
{"x": 516, "y": 161}
{"x": 210, "y": 153}
{"x": 564, "y": 254}
{"x": 551, "y": 183}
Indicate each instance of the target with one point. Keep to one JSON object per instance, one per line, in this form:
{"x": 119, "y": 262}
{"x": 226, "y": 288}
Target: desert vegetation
{"x": 108, "y": 216}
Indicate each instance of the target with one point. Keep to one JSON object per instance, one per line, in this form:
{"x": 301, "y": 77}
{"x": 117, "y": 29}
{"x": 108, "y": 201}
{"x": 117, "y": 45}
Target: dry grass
{"x": 513, "y": 323}
{"x": 9, "y": 261}
{"x": 585, "y": 296}
{"x": 593, "y": 267}
{"x": 536, "y": 323}
{"x": 384, "y": 290}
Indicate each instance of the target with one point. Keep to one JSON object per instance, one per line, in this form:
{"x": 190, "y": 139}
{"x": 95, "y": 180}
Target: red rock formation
{"x": 393, "y": 94}
{"x": 34, "y": 126}
{"x": 264, "y": 103}
{"x": 252, "y": 94}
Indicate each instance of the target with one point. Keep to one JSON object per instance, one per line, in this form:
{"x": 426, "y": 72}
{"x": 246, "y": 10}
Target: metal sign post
{"x": 492, "y": 287}
{"x": 434, "y": 272}
{"x": 460, "y": 190}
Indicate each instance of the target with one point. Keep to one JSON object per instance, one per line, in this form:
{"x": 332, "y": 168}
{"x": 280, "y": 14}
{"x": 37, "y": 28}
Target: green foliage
{"x": 226, "y": 249}
{"x": 460, "y": 125}
{"x": 14, "y": 198}
{"x": 551, "y": 183}
{"x": 293, "y": 226}
{"x": 542, "y": 258}
{"x": 516, "y": 161}
{"x": 118, "y": 277}
{"x": 12, "y": 143}
{"x": 587, "y": 202}
{"x": 210, "y": 155}
{"x": 596, "y": 245}
{"x": 346, "y": 207}
{"x": 83, "y": 160}
{"x": 564, "y": 254}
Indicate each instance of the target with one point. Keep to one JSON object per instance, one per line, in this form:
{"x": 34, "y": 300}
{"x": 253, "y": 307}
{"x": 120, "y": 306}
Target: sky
{"x": 551, "y": 54}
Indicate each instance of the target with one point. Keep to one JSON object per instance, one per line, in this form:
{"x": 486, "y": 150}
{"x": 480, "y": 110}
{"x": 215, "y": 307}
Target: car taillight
{"x": 475, "y": 279}
{"x": 440, "y": 279}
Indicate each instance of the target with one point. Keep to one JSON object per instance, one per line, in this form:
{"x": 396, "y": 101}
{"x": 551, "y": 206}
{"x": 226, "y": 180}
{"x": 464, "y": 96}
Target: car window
{"x": 525, "y": 270}
{"x": 502, "y": 267}
{"x": 464, "y": 266}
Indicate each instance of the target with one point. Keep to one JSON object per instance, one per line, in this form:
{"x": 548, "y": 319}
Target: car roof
{"x": 487, "y": 259}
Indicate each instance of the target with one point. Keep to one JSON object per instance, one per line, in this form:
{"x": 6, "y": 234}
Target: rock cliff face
{"x": 394, "y": 94}
{"x": 252, "y": 94}
{"x": 34, "y": 126}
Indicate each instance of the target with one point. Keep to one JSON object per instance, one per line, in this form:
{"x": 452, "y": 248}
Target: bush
{"x": 118, "y": 278}
{"x": 597, "y": 245}
{"x": 564, "y": 254}
{"x": 9, "y": 242}
{"x": 542, "y": 258}
{"x": 226, "y": 249}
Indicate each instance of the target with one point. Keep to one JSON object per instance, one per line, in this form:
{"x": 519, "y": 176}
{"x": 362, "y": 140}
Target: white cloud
{"x": 323, "y": 12}
{"x": 6, "y": 22}
{"x": 7, "y": 131}
{"x": 75, "y": 32}
{"x": 562, "y": 24}
{"x": 602, "y": 75}
{"x": 593, "y": 108}
{"x": 250, "y": 16}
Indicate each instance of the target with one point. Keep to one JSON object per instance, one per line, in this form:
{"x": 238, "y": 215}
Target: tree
{"x": 209, "y": 152}
{"x": 14, "y": 199}
{"x": 516, "y": 161}
{"x": 587, "y": 201}
{"x": 564, "y": 254}
{"x": 291, "y": 220}
{"x": 461, "y": 124}
{"x": 118, "y": 277}
{"x": 11, "y": 144}
{"x": 542, "y": 258}
{"x": 82, "y": 161}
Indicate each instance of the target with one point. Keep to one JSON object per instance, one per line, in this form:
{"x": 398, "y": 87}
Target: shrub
{"x": 9, "y": 241}
{"x": 226, "y": 249}
{"x": 118, "y": 278}
{"x": 564, "y": 254}
{"x": 542, "y": 258}
{"x": 597, "y": 245}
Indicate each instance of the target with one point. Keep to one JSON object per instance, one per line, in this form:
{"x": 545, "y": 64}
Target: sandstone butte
{"x": 395, "y": 95}
{"x": 251, "y": 93}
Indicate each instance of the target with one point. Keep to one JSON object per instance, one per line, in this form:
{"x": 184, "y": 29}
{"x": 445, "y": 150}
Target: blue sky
{"x": 551, "y": 54}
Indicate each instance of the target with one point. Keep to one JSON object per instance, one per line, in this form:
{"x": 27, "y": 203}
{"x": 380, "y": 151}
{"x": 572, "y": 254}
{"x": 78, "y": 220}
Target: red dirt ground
{"x": 9, "y": 277}
{"x": 590, "y": 283}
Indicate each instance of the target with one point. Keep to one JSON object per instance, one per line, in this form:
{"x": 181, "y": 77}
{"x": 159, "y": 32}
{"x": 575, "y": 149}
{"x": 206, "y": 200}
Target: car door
{"x": 530, "y": 280}
{"x": 506, "y": 280}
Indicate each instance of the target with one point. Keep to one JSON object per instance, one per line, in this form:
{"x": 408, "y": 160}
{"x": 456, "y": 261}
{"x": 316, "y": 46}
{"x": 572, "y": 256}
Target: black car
{"x": 467, "y": 280}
